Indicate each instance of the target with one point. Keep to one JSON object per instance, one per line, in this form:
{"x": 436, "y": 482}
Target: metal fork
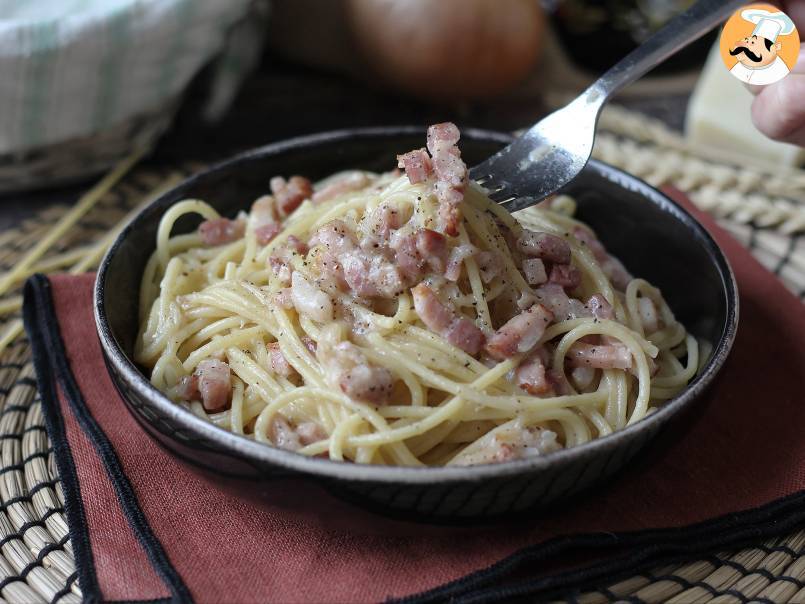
{"x": 554, "y": 151}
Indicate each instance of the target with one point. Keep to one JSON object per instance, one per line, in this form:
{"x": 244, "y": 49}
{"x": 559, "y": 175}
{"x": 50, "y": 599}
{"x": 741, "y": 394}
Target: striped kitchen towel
{"x": 73, "y": 68}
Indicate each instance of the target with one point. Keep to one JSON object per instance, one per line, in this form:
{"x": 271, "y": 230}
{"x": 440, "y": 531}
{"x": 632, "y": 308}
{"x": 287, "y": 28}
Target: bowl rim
{"x": 296, "y": 464}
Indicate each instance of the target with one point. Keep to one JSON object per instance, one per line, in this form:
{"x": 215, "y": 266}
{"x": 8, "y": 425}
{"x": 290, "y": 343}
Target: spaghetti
{"x": 405, "y": 319}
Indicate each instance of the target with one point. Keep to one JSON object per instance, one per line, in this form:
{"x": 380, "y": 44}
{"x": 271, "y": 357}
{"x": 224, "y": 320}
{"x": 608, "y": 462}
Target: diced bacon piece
{"x": 534, "y": 271}
{"x": 284, "y": 299}
{"x": 611, "y": 266}
{"x": 519, "y": 334}
{"x": 214, "y": 384}
{"x": 599, "y": 356}
{"x": 451, "y": 174}
{"x": 649, "y": 316}
{"x": 416, "y": 164}
{"x": 310, "y": 432}
{"x": 347, "y": 367}
{"x": 531, "y": 374}
{"x": 367, "y": 383}
{"x": 435, "y": 315}
{"x": 371, "y": 275}
{"x": 559, "y": 382}
{"x": 450, "y": 199}
{"x": 264, "y": 211}
{"x": 554, "y": 297}
{"x": 457, "y": 256}
{"x": 282, "y": 435}
{"x": 490, "y": 265}
{"x": 442, "y": 136}
{"x": 464, "y": 334}
{"x": 296, "y": 244}
{"x": 267, "y": 232}
{"x": 336, "y": 236}
{"x": 408, "y": 258}
{"x": 508, "y": 443}
{"x": 310, "y": 300}
{"x": 352, "y": 181}
{"x": 385, "y": 220}
{"x": 432, "y": 246}
{"x": 188, "y": 388}
{"x": 279, "y": 364}
{"x": 449, "y": 168}
{"x": 544, "y": 245}
{"x": 221, "y": 230}
{"x": 600, "y": 307}
{"x": 566, "y": 275}
{"x": 291, "y": 193}
{"x": 459, "y": 331}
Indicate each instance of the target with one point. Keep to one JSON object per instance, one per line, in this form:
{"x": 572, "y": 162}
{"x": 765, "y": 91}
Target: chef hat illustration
{"x": 767, "y": 24}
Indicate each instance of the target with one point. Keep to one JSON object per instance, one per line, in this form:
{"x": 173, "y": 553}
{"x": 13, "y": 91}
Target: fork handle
{"x": 676, "y": 34}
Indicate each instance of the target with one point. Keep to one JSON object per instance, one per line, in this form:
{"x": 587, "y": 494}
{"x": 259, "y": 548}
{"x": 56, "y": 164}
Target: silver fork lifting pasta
{"x": 405, "y": 319}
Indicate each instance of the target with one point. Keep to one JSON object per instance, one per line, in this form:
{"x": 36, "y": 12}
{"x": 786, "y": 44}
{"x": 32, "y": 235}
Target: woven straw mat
{"x": 764, "y": 210}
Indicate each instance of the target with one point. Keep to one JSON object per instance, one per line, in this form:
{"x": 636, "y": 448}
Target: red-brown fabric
{"x": 743, "y": 449}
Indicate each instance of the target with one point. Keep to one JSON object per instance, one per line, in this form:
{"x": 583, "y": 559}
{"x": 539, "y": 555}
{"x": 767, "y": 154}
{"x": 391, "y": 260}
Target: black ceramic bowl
{"x": 654, "y": 237}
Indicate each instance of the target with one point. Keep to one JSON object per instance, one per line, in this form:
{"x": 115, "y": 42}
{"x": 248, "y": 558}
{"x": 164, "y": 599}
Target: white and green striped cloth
{"x": 72, "y": 68}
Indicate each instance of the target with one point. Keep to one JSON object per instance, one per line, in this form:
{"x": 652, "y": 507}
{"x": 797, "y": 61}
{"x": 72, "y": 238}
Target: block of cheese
{"x": 719, "y": 118}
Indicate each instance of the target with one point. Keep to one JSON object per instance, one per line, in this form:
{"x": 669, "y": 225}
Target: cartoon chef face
{"x": 755, "y": 51}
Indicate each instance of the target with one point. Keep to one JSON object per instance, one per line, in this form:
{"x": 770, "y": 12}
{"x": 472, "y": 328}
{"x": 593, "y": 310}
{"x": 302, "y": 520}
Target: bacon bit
{"x": 534, "y": 270}
{"x": 291, "y": 193}
{"x": 611, "y": 266}
{"x": 531, "y": 374}
{"x": 566, "y": 275}
{"x": 367, "y": 383}
{"x": 451, "y": 174}
{"x": 600, "y": 307}
{"x": 519, "y": 334}
{"x": 408, "y": 258}
{"x": 279, "y": 364}
{"x": 457, "y": 256}
{"x": 264, "y": 211}
{"x": 188, "y": 388}
{"x": 610, "y": 356}
{"x": 506, "y": 444}
{"x": 489, "y": 264}
{"x": 432, "y": 246}
{"x": 545, "y": 246}
{"x": 352, "y": 181}
{"x": 554, "y": 297}
{"x": 459, "y": 331}
{"x": 214, "y": 384}
{"x": 417, "y": 165}
{"x": 221, "y": 230}
{"x": 336, "y": 236}
{"x": 310, "y": 300}
{"x": 371, "y": 275}
{"x": 384, "y": 220}
{"x": 559, "y": 382}
{"x": 297, "y": 245}
{"x": 267, "y": 232}
{"x": 283, "y": 436}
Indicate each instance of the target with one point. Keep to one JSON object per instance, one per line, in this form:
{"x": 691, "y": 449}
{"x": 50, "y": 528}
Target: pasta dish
{"x": 405, "y": 319}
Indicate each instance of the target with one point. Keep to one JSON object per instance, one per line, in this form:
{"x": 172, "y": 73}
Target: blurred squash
{"x": 448, "y": 49}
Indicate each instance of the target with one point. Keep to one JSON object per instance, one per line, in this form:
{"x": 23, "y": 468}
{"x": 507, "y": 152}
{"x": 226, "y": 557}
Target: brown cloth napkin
{"x": 146, "y": 527}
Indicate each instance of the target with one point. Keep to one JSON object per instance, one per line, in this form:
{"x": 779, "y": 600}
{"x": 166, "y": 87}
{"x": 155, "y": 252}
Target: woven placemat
{"x": 765, "y": 210}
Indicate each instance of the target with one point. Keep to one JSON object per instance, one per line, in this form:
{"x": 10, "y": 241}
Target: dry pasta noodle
{"x": 405, "y": 319}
